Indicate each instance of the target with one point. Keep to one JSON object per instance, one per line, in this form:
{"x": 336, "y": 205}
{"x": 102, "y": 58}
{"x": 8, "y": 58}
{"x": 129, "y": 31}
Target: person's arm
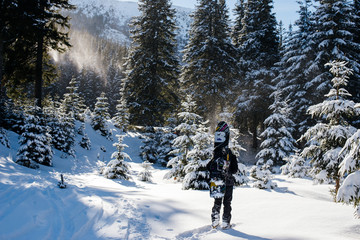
{"x": 233, "y": 168}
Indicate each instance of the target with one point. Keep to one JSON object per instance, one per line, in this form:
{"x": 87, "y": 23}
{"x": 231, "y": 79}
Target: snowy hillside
{"x": 32, "y": 206}
{"x": 110, "y": 19}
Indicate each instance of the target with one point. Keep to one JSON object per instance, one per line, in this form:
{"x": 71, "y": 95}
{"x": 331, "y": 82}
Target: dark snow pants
{"x": 226, "y": 200}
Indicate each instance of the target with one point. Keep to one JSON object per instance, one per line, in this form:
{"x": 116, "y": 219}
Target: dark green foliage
{"x": 259, "y": 51}
{"x": 152, "y": 77}
{"x": 35, "y": 141}
{"x": 210, "y": 69}
{"x": 32, "y": 29}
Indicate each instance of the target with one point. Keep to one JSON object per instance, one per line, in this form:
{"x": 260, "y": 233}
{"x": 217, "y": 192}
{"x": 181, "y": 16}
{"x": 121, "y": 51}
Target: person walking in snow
{"x": 224, "y": 157}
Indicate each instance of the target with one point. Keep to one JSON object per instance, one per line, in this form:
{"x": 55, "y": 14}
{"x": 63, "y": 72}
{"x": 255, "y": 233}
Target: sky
{"x": 285, "y": 10}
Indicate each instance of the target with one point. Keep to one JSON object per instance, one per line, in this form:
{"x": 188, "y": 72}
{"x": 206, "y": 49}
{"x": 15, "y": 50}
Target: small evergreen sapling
{"x": 145, "y": 175}
{"x": 262, "y": 175}
{"x": 85, "y": 140}
{"x": 166, "y": 138}
{"x": 149, "y": 149}
{"x": 101, "y": 115}
{"x": 295, "y": 167}
{"x": 183, "y": 143}
{"x": 117, "y": 167}
{"x": 35, "y": 141}
{"x": 197, "y": 175}
{"x": 278, "y": 142}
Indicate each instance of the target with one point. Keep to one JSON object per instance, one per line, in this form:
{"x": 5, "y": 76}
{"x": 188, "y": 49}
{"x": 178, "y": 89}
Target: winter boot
{"x": 215, "y": 221}
{"x": 225, "y": 225}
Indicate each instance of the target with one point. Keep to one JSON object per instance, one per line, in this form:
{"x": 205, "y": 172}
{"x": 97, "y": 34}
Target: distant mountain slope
{"x": 110, "y": 19}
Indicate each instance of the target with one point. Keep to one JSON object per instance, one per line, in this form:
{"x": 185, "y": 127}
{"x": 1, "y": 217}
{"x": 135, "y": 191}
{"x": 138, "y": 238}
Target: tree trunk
{"x": 39, "y": 62}
{"x": 39, "y": 72}
{"x": 254, "y": 135}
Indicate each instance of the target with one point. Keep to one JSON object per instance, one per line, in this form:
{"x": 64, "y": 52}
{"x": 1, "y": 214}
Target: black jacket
{"x": 233, "y": 167}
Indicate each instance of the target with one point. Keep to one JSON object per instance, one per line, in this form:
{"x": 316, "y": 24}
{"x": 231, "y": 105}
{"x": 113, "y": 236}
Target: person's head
{"x": 222, "y": 134}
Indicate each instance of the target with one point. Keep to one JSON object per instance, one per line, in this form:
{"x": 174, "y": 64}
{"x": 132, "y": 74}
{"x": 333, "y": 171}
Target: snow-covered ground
{"x": 32, "y": 206}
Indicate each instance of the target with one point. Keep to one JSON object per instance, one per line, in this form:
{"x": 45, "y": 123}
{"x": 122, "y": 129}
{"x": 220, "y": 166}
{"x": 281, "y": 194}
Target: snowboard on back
{"x": 217, "y": 180}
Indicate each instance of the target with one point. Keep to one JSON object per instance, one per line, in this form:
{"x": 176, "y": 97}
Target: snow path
{"x": 93, "y": 207}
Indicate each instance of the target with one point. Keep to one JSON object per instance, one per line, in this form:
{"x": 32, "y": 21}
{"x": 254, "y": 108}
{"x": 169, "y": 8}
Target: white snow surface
{"x": 32, "y": 206}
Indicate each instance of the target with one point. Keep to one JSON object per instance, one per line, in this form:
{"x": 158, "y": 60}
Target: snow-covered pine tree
{"x": 117, "y": 167}
{"x": 354, "y": 85}
{"x": 210, "y": 67}
{"x": 85, "y": 140}
{"x": 121, "y": 118}
{"x": 165, "y": 144}
{"x": 262, "y": 176}
{"x": 3, "y": 138}
{"x": 293, "y": 69}
{"x": 145, "y": 175}
{"x": 295, "y": 167}
{"x": 258, "y": 52}
{"x": 114, "y": 81}
{"x": 196, "y": 173}
{"x": 91, "y": 86}
{"x": 278, "y": 142}
{"x": 35, "y": 141}
{"x": 183, "y": 143}
{"x": 349, "y": 191}
{"x": 101, "y": 115}
{"x": 332, "y": 39}
{"x": 152, "y": 65}
{"x": 62, "y": 127}
{"x": 328, "y": 136}
{"x": 239, "y": 12}
{"x": 72, "y": 101}
{"x": 150, "y": 145}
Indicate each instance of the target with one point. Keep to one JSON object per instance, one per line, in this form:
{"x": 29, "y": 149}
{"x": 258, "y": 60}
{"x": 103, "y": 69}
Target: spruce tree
{"x": 328, "y": 136}
{"x": 332, "y": 39}
{"x": 210, "y": 65}
{"x": 259, "y": 51}
{"x": 152, "y": 65}
{"x": 262, "y": 175}
{"x": 62, "y": 128}
{"x": 35, "y": 141}
{"x": 297, "y": 53}
{"x": 34, "y": 28}
{"x": 354, "y": 84}
{"x": 239, "y": 12}
{"x": 85, "y": 140}
{"x": 188, "y": 124}
{"x": 121, "y": 118}
{"x": 117, "y": 168}
{"x": 196, "y": 173}
{"x": 295, "y": 167}
{"x": 101, "y": 116}
{"x": 73, "y": 102}
{"x": 145, "y": 175}
{"x": 278, "y": 142}
{"x": 150, "y": 145}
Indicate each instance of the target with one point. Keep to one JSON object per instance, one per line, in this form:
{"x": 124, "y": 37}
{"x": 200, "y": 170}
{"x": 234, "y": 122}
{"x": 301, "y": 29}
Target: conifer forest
{"x": 290, "y": 93}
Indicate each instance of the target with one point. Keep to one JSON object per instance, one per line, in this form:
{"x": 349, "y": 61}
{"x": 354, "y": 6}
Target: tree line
{"x": 278, "y": 85}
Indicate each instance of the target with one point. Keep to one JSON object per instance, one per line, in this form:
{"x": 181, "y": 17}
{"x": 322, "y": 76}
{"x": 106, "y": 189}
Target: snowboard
{"x": 217, "y": 179}
{"x": 217, "y": 186}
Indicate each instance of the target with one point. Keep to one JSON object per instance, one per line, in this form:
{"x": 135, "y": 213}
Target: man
{"x": 228, "y": 164}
